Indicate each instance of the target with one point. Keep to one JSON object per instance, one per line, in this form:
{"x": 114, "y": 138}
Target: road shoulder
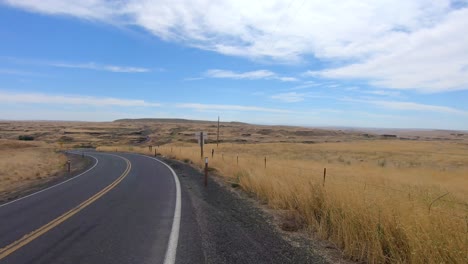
{"x": 233, "y": 229}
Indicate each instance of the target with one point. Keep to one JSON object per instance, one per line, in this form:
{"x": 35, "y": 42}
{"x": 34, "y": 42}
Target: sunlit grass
{"x": 375, "y": 202}
{"x": 25, "y": 163}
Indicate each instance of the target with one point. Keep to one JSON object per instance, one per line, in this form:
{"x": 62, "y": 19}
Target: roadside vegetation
{"x": 26, "y": 163}
{"x": 382, "y": 201}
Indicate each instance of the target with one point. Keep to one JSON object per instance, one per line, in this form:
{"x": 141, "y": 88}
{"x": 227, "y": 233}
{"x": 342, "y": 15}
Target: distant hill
{"x": 170, "y": 120}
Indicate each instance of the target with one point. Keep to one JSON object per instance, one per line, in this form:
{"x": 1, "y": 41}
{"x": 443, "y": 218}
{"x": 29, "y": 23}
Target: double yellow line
{"x": 4, "y": 252}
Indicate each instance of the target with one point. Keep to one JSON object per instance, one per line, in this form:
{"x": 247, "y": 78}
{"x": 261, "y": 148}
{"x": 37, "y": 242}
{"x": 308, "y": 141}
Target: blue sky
{"x": 397, "y": 64}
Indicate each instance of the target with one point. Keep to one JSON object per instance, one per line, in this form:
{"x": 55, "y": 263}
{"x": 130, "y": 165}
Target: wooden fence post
{"x": 324, "y": 175}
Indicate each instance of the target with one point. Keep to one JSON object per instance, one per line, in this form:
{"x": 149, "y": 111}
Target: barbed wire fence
{"x": 327, "y": 177}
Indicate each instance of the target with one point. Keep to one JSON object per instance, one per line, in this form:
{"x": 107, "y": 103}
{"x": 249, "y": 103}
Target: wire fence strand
{"x": 237, "y": 161}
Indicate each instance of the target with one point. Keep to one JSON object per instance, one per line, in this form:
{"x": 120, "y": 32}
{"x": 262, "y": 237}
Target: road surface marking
{"x": 53, "y": 186}
{"x": 171, "y": 251}
{"x": 4, "y": 252}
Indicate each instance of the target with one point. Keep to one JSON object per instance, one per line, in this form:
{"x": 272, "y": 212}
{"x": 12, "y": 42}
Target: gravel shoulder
{"x": 232, "y": 229}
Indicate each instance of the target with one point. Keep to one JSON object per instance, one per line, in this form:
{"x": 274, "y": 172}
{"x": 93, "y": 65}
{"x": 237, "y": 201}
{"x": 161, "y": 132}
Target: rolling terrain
{"x": 388, "y": 195}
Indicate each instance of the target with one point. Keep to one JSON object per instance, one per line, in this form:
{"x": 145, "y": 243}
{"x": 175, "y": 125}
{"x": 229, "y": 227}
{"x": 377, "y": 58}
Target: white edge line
{"x": 58, "y": 184}
{"x": 171, "y": 251}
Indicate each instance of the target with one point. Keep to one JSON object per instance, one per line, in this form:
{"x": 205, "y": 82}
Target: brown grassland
{"x": 379, "y": 202}
{"x": 393, "y": 200}
{"x": 24, "y": 164}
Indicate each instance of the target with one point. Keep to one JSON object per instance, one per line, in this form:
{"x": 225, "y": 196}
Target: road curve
{"x": 125, "y": 209}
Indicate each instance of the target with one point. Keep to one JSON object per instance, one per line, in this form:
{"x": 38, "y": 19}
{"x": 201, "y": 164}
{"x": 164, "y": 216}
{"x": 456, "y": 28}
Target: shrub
{"x": 26, "y": 138}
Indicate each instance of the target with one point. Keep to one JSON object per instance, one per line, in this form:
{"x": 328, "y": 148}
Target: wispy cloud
{"x": 305, "y": 85}
{"x": 204, "y": 107}
{"x": 87, "y": 65}
{"x": 295, "y": 97}
{"x": 250, "y": 75}
{"x": 286, "y": 79}
{"x": 376, "y": 92}
{"x": 409, "y": 106}
{"x": 98, "y": 67}
{"x": 19, "y": 72}
{"x": 291, "y": 97}
{"x": 418, "y": 107}
{"x": 193, "y": 78}
{"x": 383, "y": 93}
{"x": 40, "y": 98}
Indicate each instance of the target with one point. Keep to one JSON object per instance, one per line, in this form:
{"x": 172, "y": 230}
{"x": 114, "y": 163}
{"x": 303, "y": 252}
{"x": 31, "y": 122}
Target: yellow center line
{"x": 4, "y": 252}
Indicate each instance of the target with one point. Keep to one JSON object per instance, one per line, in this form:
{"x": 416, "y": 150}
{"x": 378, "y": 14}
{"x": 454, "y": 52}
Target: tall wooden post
{"x": 217, "y": 136}
{"x": 201, "y": 144}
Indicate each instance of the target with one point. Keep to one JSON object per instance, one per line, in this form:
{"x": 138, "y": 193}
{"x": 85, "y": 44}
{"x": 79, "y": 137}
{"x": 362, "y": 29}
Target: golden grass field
{"x": 375, "y": 202}
{"x": 398, "y": 200}
{"x": 24, "y": 164}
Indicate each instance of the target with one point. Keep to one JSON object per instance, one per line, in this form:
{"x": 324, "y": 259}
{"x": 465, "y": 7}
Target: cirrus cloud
{"x": 218, "y": 107}
{"x": 290, "y": 97}
{"x": 94, "y": 66}
{"x": 40, "y": 98}
{"x": 250, "y": 75}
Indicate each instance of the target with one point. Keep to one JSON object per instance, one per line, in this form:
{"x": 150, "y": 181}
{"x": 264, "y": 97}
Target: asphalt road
{"x": 129, "y": 208}
{"x": 125, "y": 209}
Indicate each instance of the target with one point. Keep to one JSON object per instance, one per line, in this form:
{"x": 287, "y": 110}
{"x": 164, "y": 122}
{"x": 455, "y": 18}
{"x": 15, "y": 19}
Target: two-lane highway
{"x": 125, "y": 209}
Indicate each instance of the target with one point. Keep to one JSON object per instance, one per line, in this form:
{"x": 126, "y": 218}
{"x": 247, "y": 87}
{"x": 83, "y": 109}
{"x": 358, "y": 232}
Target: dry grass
{"x": 78, "y": 134}
{"x": 23, "y": 164}
{"x": 376, "y": 197}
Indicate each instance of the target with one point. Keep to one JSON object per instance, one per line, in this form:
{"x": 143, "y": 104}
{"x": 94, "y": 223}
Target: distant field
{"x": 396, "y": 196}
{"x": 164, "y": 131}
{"x": 375, "y": 201}
{"x": 25, "y": 164}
